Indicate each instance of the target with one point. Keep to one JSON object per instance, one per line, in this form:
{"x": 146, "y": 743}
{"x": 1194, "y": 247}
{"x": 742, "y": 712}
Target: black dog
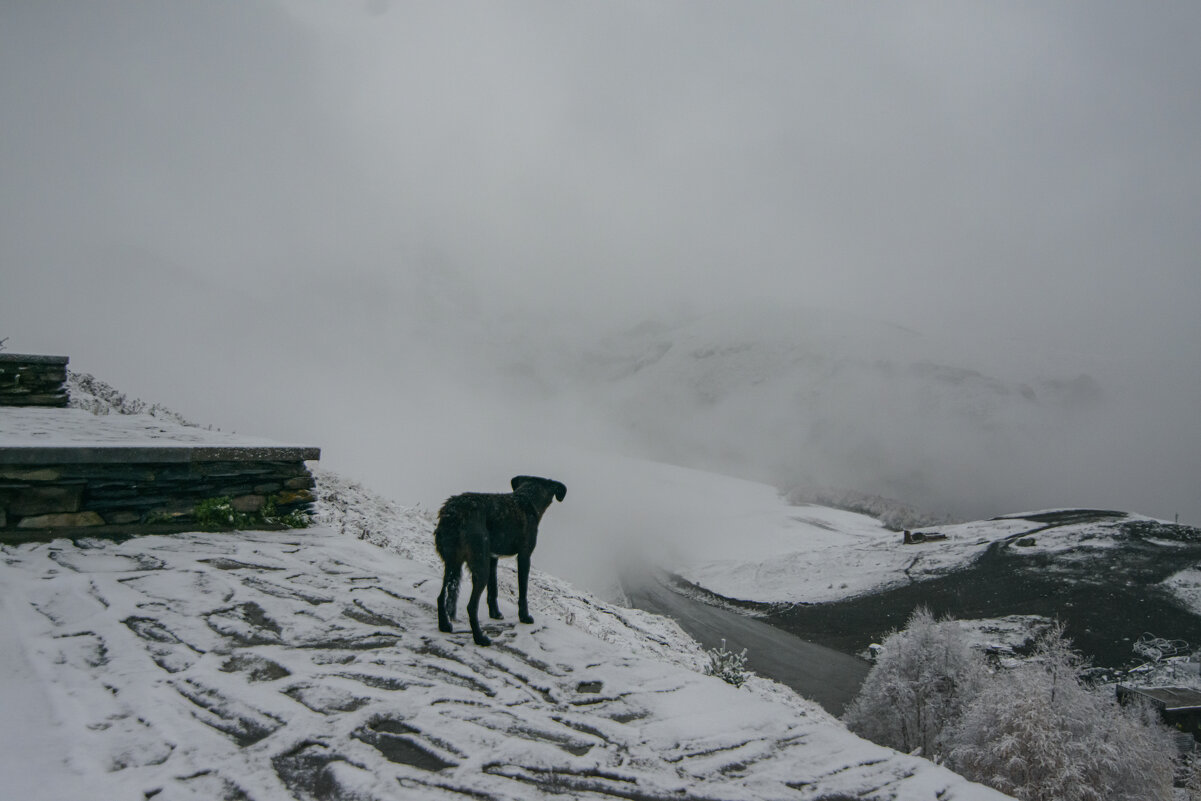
{"x": 477, "y": 528}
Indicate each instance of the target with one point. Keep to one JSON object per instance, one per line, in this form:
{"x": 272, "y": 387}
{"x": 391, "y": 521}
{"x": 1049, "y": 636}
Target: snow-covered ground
{"x": 1186, "y": 586}
{"x": 307, "y": 664}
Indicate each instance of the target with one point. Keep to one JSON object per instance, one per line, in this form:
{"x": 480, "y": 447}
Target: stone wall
{"x": 27, "y": 380}
{"x": 46, "y": 492}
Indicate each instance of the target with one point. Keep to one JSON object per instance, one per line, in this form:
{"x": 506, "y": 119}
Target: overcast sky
{"x": 232, "y": 180}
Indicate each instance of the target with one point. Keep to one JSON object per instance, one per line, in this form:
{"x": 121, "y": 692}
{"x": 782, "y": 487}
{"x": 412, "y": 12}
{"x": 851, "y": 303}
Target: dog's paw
{"x": 496, "y": 615}
{"x": 483, "y": 640}
{"x": 446, "y": 627}
{"x": 526, "y": 618}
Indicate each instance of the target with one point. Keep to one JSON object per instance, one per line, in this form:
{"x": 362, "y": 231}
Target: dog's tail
{"x": 446, "y": 538}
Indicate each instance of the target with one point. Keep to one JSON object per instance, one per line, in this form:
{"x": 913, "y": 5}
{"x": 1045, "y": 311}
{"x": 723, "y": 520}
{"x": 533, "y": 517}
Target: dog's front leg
{"x": 479, "y": 580}
{"x": 523, "y": 580}
{"x": 493, "y": 606}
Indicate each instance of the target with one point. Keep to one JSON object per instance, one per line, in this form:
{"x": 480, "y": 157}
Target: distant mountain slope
{"x": 803, "y": 397}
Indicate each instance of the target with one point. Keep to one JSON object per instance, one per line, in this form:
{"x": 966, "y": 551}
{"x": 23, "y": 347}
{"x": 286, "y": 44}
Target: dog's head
{"x": 539, "y": 490}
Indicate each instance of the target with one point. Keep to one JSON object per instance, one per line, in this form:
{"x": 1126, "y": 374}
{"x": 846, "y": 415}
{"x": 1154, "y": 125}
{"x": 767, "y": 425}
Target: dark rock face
{"x": 27, "y": 380}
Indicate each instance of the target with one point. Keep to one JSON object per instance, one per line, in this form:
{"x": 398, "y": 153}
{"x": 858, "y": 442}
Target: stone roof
{"x": 60, "y": 436}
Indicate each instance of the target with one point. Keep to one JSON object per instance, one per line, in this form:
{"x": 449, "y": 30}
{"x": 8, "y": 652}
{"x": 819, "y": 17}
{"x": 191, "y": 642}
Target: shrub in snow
{"x": 728, "y": 666}
{"x": 918, "y": 686}
{"x": 89, "y": 393}
{"x": 1039, "y": 734}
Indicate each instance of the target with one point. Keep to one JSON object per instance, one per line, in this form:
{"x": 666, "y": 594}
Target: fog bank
{"x": 439, "y": 240}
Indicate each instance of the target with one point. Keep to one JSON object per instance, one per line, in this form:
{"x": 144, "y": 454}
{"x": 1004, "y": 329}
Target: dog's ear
{"x": 560, "y": 489}
{"x": 517, "y": 481}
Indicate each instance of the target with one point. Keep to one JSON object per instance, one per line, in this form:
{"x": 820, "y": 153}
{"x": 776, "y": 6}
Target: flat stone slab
{"x": 29, "y": 358}
{"x": 74, "y": 436}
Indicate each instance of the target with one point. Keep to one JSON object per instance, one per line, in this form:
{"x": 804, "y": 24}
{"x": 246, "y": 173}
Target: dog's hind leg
{"x": 523, "y": 581}
{"x": 448, "y": 598}
{"x": 493, "y": 606}
{"x": 452, "y": 595}
{"x": 479, "y": 581}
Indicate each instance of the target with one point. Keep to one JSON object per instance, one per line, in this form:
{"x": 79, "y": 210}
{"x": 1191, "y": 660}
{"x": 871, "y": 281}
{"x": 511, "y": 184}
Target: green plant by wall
{"x": 219, "y": 513}
{"x": 293, "y": 519}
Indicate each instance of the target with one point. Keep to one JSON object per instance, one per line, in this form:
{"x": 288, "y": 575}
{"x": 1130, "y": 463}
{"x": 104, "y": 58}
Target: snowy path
{"x": 31, "y": 736}
{"x": 307, "y": 665}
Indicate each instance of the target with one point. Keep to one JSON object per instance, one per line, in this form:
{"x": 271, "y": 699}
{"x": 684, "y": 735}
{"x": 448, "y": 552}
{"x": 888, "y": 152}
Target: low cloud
{"x": 401, "y": 230}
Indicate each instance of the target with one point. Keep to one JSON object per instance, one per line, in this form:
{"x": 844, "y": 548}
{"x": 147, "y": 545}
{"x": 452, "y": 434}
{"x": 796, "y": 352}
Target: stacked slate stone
{"x": 27, "y": 380}
{"x": 149, "y": 497}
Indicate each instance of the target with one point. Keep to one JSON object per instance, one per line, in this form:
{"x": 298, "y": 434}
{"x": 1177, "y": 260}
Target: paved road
{"x": 824, "y": 675}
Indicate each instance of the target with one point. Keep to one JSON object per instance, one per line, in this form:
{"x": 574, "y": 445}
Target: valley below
{"x": 1103, "y": 576}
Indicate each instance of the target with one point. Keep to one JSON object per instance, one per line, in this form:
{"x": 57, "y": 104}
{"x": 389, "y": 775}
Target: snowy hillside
{"x": 307, "y": 664}
{"x": 855, "y": 555}
{"x": 1110, "y": 577}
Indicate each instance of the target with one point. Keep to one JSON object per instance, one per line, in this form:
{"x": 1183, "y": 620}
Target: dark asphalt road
{"x": 822, "y": 674}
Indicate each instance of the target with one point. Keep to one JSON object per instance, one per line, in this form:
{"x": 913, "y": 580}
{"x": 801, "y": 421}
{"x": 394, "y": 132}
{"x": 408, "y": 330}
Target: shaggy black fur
{"x": 477, "y": 528}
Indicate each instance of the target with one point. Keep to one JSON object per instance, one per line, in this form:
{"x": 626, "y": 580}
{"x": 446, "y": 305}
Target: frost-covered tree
{"x": 1039, "y": 734}
{"x": 923, "y": 678}
{"x": 728, "y": 666}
